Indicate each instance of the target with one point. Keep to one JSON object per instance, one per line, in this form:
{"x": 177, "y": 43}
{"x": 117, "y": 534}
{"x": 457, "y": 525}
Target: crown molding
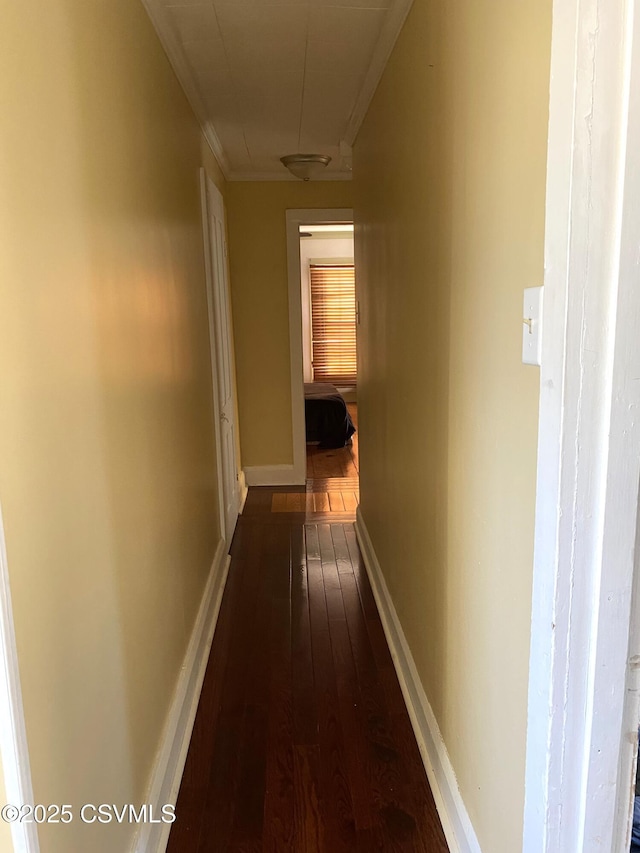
{"x": 393, "y": 23}
{"x": 215, "y": 145}
{"x": 177, "y": 59}
{"x": 276, "y": 176}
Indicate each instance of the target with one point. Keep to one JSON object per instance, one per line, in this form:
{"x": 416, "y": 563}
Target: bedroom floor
{"x": 339, "y": 463}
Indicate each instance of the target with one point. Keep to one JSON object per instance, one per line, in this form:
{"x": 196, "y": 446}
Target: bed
{"x": 327, "y": 418}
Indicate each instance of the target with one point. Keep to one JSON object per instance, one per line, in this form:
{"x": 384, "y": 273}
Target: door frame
{"x": 205, "y": 185}
{"x": 14, "y": 749}
{"x": 295, "y": 218}
{"x": 583, "y": 709}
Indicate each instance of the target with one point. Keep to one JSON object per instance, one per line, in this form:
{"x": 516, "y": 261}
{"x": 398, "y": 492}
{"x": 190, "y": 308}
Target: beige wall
{"x": 259, "y": 292}
{"x": 449, "y": 202}
{"x": 107, "y": 477}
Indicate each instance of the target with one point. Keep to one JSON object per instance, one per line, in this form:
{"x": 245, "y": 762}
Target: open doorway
{"x": 329, "y": 355}
{"x": 323, "y": 341}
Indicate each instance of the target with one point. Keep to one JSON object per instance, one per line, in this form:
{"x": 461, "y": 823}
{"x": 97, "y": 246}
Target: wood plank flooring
{"x": 302, "y": 742}
{"x": 314, "y": 501}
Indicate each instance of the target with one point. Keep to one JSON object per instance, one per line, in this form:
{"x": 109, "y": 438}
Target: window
{"x": 333, "y": 323}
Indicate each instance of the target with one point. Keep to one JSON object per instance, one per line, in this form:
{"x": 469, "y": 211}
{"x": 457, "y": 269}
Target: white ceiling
{"x": 273, "y": 77}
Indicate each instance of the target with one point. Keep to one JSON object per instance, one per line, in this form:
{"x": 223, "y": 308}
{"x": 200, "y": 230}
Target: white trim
{"x": 583, "y": 683}
{"x": 243, "y": 491}
{"x": 391, "y": 28}
{"x": 204, "y": 207}
{"x": 294, "y": 219}
{"x": 182, "y": 69}
{"x": 13, "y": 733}
{"x": 454, "y": 817}
{"x": 174, "y": 744}
{"x": 272, "y": 475}
{"x": 210, "y": 194}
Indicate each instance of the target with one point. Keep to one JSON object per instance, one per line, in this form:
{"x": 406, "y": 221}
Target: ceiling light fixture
{"x": 305, "y": 166}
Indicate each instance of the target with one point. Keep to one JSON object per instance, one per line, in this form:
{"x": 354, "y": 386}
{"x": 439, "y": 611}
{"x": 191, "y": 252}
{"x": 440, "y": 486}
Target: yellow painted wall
{"x": 259, "y": 291}
{"x": 107, "y": 470}
{"x": 449, "y": 171}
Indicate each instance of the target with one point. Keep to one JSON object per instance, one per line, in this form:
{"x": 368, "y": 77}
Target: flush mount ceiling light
{"x": 305, "y": 166}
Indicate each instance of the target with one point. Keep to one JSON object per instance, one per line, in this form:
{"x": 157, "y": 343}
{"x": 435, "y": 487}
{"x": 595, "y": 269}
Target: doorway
{"x": 327, "y": 276}
{"x": 323, "y": 324}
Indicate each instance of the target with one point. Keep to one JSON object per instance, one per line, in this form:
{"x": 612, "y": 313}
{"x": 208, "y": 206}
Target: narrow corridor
{"x": 302, "y": 741}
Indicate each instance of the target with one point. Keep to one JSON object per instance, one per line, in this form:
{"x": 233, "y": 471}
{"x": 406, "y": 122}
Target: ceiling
{"x": 273, "y": 77}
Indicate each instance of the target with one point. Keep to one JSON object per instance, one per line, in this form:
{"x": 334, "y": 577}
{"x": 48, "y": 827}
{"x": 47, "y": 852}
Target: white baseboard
{"x": 243, "y": 491}
{"x": 172, "y": 754}
{"x": 273, "y": 475}
{"x": 456, "y": 823}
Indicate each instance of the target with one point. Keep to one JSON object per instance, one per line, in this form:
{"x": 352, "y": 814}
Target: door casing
{"x": 583, "y": 679}
{"x": 221, "y": 353}
{"x": 294, "y": 219}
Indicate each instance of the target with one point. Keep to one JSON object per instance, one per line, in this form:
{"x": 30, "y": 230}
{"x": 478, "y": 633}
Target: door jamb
{"x": 583, "y": 679}
{"x": 204, "y": 180}
{"x": 13, "y": 734}
{"x": 295, "y": 218}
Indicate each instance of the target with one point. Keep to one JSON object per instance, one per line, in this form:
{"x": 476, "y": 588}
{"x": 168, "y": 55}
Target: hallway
{"x": 302, "y": 741}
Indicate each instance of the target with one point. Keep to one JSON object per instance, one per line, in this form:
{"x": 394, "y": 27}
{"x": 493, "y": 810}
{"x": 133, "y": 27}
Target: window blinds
{"x": 333, "y": 323}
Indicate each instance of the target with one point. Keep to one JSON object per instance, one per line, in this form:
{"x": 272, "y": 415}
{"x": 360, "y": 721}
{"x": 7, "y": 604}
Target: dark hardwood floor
{"x": 302, "y": 741}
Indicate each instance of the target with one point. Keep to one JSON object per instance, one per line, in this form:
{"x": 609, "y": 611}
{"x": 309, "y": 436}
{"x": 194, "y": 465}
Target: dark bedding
{"x": 326, "y": 415}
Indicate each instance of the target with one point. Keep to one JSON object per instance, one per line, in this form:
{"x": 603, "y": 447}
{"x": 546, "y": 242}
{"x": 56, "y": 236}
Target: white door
{"x": 221, "y": 355}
